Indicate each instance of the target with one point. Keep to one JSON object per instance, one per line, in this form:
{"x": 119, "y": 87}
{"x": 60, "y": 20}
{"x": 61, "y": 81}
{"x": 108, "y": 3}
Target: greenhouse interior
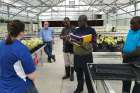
{"x": 71, "y": 46}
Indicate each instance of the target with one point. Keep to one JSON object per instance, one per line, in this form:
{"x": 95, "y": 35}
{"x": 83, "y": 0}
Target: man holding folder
{"x": 83, "y": 53}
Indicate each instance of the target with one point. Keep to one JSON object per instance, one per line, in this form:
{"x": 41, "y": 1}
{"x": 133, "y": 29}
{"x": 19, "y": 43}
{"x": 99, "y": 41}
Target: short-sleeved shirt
{"x": 132, "y": 41}
{"x": 47, "y": 34}
{"x": 67, "y": 46}
{"x": 15, "y": 63}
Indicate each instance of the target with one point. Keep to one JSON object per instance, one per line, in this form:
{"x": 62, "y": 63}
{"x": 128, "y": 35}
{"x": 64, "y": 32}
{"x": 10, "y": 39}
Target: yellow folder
{"x": 87, "y": 38}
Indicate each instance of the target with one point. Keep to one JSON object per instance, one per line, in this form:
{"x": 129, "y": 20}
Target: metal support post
{"x": 8, "y": 11}
{"x": 135, "y": 7}
{"x": 116, "y": 20}
{"x": 38, "y": 23}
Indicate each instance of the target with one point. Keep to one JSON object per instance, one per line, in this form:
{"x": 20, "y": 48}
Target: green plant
{"x": 2, "y": 20}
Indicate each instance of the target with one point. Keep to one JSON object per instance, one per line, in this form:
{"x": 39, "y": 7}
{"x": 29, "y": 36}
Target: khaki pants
{"x": 69, "y": 59}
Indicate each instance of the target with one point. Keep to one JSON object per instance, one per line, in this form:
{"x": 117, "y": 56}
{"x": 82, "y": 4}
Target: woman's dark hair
{"x": 14, "y": 28}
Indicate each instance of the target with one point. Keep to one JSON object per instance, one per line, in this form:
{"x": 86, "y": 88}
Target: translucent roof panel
{"x": 57, "y": 9}
{"x": 66, "y": 9}
{"x": 88, "y": 7}
{"x": 32, "y": 7}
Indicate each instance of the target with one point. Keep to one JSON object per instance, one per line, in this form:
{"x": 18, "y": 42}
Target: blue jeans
{"x": 48, "y": 49}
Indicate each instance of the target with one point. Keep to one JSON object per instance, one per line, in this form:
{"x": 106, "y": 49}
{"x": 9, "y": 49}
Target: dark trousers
{"x": 80, "y": 78}
{"x": 32, "y": 89}
{"x": 136, "y": 88}
{"x": 127, "y": 87}
{"x": 48, "y": 49}
{"x": 80, "y": 64}
{"x": 127, "y": 83}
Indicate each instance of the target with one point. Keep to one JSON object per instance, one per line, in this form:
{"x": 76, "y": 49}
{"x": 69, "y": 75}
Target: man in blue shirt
{"x": 47, "y": 34}
{"x": 131, "y": 51}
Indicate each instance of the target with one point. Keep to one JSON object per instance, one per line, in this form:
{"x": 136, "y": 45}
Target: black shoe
{"x": 65, "y": 77}
{"x": 49, "y": 60}
{"x": 53, "y": 57}
{"x": 78, "y": 91}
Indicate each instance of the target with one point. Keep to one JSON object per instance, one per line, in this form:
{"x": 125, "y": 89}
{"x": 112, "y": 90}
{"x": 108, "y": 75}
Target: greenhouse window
{"x": 71, "y": 4}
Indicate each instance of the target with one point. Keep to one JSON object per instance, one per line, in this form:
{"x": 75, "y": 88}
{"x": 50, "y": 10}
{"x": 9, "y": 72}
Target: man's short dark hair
{"x": 137, "y": 18}
{"x": 83, "y": 18}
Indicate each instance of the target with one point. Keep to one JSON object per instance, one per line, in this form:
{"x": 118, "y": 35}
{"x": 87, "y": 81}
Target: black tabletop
{"x": 114, "y": 71}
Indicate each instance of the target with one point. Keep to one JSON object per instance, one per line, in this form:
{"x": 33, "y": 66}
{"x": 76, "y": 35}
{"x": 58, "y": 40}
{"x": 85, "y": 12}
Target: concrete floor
{"x": 50, "y": 74}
